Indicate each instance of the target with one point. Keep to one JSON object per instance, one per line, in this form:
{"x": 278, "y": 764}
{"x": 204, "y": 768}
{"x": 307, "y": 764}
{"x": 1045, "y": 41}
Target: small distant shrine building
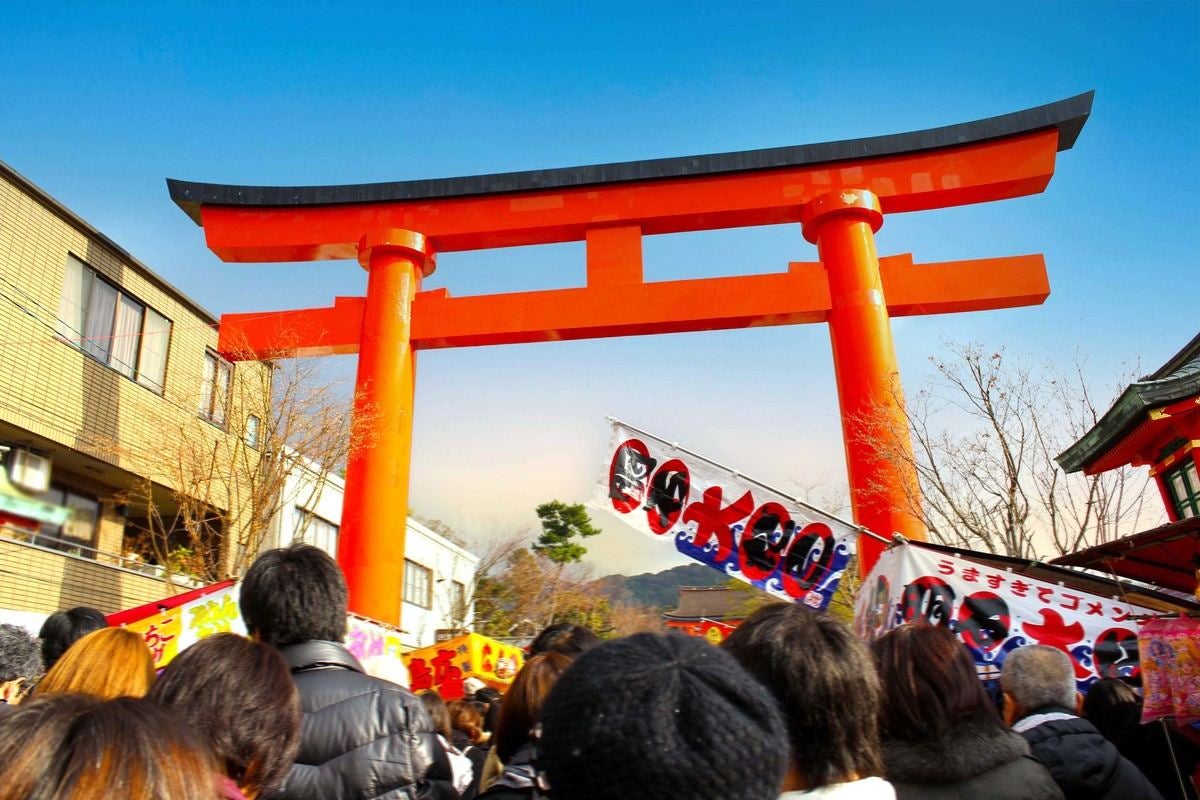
{"x": 709, "y": 612}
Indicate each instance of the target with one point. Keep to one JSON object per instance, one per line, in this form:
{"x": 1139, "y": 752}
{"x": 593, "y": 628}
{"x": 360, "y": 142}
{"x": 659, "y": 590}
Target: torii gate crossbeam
{"x": 838, "y": 191}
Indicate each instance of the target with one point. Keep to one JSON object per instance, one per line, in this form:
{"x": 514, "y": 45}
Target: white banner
{"x": 994, "y": 611}
{"x": 721, "y": 519}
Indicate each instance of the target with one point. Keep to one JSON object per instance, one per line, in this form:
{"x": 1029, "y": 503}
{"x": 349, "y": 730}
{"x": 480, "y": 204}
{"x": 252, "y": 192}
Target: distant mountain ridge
{"x": 658, "y": 590}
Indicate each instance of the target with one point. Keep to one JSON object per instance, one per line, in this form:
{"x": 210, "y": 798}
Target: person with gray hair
{"x": 1040, "y": 704}
{"x": 20, "y": 663}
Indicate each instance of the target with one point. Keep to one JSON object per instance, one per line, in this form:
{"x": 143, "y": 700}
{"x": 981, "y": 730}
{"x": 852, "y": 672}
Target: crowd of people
{"x": 791, "y": 706}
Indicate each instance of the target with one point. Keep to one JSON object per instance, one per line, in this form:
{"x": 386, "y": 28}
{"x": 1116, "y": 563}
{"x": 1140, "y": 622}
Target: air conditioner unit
{"x": 29, "y": 471}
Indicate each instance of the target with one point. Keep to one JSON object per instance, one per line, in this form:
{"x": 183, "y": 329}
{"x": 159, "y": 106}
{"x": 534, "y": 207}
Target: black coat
{"x": 976, "y": 760}
{"x": 519, "y": 779}
{"x": 1164, "y": 755}
{"x": 1085, "y": 764}
{"x": 362, "y": 738}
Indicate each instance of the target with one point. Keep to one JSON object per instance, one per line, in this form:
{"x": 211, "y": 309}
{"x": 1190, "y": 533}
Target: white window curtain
{"x": 81, "y": 527}
{"x": 152, "y": 363}
{"x": 123, "y": 355}
{"x": 74, "y": 300}
{"x": 98, "y": 324}
{"x": 221, "y": 398}
{"x": 206, "y": 385}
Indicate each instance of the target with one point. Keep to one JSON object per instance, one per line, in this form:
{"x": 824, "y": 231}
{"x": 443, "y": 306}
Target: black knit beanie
{"x": 654, "y": 716}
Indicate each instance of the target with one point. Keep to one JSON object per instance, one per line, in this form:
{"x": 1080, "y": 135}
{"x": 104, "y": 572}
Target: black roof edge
{"x": 1188, "y": 352}
{"x": 1068, "y": 116}
{"x": 1150, "y": 537}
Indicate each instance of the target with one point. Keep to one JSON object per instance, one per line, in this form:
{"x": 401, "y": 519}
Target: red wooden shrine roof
{"x": 1140, "y": 422}
{"x": 1167, "y": 556}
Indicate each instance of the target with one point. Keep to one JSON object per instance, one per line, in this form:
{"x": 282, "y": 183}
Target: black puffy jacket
{"x": 975, "y": 760}
{"x": 363, "y": 738}
{"x": 1085, "y": 764}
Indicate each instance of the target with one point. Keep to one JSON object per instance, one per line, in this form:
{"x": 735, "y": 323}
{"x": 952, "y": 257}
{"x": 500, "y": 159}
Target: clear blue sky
{"x": 100, "y": 102}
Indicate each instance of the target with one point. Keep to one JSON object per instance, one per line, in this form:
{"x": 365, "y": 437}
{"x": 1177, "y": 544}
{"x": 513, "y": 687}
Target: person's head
{"x": 63, "y": 628}
{"x": 239, "y": 695}
{"x": 438, "y": 712}
{"x": 1113, "y": 707}
{"x": 824, "y": 682}
{"x": 661, "y": 716}
{"x": 294, "y": 594}
{"x": 929, "y": 682}
{"x": 73, "y": 747}
{"x": 20, "y": 662}
{"x": 1036, "y": 676}
{"x": 114, "y": 662}
{"x": 523, "y": 702}
{"x": 490, "y": 700}
{"x": 566, "y": 638}
{"x": 465, "y": 717}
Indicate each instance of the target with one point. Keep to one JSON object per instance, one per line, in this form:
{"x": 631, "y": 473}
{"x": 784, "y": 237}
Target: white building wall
{"x": 448, "y": 564}
{"x": 310, "y": 512}
{"x": 311, "y": 509}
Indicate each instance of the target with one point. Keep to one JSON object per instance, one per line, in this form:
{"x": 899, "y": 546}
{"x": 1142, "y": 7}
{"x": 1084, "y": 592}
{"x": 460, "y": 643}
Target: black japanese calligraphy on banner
{"x": 995, "y": 611}
{"x": 716, "y": 517}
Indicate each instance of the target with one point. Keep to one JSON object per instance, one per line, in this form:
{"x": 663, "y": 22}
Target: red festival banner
{"x": 994, "y": 611}
{"x": 723, "y": 519}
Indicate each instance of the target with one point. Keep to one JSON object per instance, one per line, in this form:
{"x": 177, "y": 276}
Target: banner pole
{"x": 854, "y": 525}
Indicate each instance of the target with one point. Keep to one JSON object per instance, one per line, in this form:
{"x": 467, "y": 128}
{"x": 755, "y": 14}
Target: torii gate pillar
{"x": 375, "y": 510}
{"x": 843, "y": 224}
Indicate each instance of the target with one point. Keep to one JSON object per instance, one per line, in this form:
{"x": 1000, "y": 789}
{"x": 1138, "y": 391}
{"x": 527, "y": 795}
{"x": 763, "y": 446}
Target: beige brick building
{"x": 110, "y": 373}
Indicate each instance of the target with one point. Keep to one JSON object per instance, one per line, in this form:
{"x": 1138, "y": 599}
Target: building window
{"x": 316, "y": 531}
{"x": 252, "y": 426}
{"x": 79, "y": 529}
{"x": 214, "y": 388}
{"x": 1183, "y": 484}
{"x": 418, "y": 584}
{"x": 458, "y": 602}
{"x": 112, "y": 327}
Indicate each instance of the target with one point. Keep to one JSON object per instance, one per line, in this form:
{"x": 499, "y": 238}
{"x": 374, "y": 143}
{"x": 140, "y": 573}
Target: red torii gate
{"x": 838, "y": 191}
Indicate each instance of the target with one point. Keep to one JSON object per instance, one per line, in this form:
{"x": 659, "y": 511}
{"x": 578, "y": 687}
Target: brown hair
{"x": 465, "y": 717}
{"x": 929, "y": 683}
{"x": 240, "y": 696}
{"x": 113, "y": 662}
{"x": 523, "y": 702}
{"x": 74, "y": 747}
{"x": 825, "y": 683}
{"x": 438, "y": 712}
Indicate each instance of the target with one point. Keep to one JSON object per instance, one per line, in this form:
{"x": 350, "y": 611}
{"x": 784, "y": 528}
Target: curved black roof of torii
{"x": 1068, "y": 116}
{"x": 1176, "y": 380}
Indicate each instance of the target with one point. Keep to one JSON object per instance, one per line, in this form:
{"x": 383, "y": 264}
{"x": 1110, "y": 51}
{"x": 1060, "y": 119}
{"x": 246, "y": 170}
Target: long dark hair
{"x": 929, "y": 684}
{"x": 1113, "y": 708}
{"x": 523, "y": 702}
{"x": 438, "y": 712}
{"x": 238, "y": 694}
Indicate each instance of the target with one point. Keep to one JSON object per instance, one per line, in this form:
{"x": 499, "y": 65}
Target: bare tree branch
{"x": 984, "y": 435}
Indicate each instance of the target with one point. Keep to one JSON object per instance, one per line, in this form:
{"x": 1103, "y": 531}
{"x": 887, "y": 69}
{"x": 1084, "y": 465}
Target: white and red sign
{"x": 994, "y": 611}
{"x": 719, "y": 518}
